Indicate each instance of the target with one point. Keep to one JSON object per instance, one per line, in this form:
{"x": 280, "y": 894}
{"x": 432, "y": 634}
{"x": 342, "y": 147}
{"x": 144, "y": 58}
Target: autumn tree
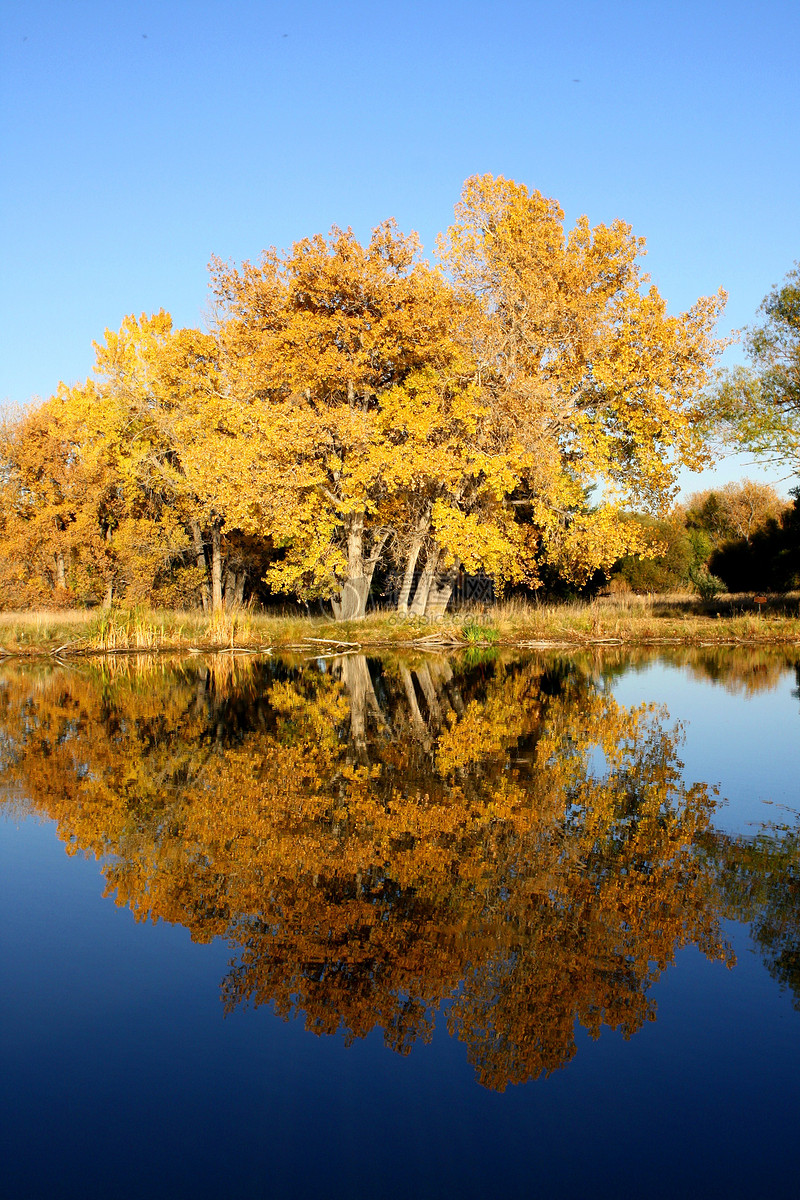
{"x": 36, "y": 510}
{"x": 176, "y": 449}
{"x": 459, "y": 425}
{"x": 734, "y": 511}
{"x": 588, "y": 376}
{"x": 95, "y": 499}
{"x": 344, "y": 365}
{"x": 59, "y": 487}
{"x": 747, "y": 531}
{"x": 674, "y": 552}
{"x": 352, "y": 406}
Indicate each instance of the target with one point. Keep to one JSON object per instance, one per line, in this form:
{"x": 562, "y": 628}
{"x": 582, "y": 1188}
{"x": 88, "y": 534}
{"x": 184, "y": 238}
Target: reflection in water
{"x": 744, "y": 670}
{"x": 760, "y": 878}
{"x": 374, "y": 839}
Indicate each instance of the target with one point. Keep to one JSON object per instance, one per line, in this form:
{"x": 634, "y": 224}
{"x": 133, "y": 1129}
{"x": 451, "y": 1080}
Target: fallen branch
{"x": 331, "y": 642}
{"x": 76, "y": 642}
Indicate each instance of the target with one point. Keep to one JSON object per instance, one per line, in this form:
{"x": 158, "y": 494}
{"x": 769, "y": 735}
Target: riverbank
{"x": 628, "y": 620}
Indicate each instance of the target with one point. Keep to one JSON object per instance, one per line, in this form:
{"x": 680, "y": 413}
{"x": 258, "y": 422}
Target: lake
{"x": 354, "y": 926}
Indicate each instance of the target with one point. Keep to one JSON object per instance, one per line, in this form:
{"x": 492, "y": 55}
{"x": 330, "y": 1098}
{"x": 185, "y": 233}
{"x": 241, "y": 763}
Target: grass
{"x": 626, "y": 620}
{"x": 26, "y": 631}
{"x": 479, "y": 633}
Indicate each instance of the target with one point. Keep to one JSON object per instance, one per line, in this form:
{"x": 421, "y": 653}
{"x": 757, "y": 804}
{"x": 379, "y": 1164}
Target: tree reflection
{"x": 374, "y": 839}
{"x": 760, "y": 879}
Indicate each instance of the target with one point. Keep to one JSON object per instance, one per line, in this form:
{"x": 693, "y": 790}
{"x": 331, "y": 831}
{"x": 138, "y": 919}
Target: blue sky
{"x": 139, "y": 140}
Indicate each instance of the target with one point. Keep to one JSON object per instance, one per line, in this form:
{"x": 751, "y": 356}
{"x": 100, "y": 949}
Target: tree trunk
{"x": 238, "y": 595}
{"x": 352, "y": 603}
{"x": 216, "y": 567}
{"x": 61, "y": 571}
{"x": 109, "y": 596}
{"x": 408, "y": 575}
{"x": 420, "y": 601}
{"x": 200, "y": 555}
{"x": 414, "y": 551}
{"x": 229, "y": 589}
{"x": 234, "y": 588}
{"x": 440, "y": 592}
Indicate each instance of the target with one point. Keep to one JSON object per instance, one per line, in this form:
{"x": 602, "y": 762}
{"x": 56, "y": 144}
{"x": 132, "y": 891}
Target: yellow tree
{"x": 175, "y": 445}
{"x": 593, "y": 382}
{"x": 58, "y": 490}
{"x": 36, "y": 506}
{"x": 453, "y": 474}
{"x": 353, "y": 396}
{"x": 125, "y": 535}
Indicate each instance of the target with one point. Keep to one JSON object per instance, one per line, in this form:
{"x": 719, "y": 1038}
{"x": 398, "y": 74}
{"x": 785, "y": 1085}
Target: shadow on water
{"x": 374, "y": 838}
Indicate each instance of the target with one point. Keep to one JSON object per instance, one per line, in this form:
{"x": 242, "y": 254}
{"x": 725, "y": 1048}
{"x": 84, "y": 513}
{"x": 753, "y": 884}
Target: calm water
{"x": 424, "y": 927}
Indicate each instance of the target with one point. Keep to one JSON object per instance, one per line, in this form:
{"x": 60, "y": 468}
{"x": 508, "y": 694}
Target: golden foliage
{"x": 595, "y": 382}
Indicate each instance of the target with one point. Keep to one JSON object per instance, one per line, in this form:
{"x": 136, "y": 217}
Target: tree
{"x": 37, "y": 507}
{"x": 456, "y": 425}
{"x": 745, "y": 529}
{"x": 159, "y": 407}
{"x": 769, "y": 559}
{"x": 59, "y": 492}
{"x": 735, "y": 511}
{"x": 351, "y": 403}
{"x": 593, "y": 381}
{"x": 675, "y": 552}
{"x": 343, "y": 364}
{"x": 757, "y": 407}
{"x": 774, "y": 346}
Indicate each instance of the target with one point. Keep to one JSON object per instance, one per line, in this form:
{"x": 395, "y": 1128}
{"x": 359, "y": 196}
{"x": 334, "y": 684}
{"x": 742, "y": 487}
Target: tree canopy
{"x": 758, "y": 406}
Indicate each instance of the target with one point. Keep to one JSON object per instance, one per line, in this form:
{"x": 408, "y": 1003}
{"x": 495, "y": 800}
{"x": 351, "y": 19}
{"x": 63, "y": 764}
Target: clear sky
{"x": 139, "y": 139}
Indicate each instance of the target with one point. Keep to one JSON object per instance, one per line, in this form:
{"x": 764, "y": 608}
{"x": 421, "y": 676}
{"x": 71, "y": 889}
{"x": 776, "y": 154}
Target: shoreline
{"x": 633, "y": 624}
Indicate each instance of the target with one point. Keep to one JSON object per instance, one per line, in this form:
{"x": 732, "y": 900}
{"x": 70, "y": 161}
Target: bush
{"x": 705, "y": 584}
{"x": 665, "y": 572}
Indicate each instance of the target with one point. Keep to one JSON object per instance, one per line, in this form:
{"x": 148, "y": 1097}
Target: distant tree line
{"x": 738, "y": 538}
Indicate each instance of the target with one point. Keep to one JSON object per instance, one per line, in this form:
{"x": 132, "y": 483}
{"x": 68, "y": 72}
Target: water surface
{"x": 358, "y": 927}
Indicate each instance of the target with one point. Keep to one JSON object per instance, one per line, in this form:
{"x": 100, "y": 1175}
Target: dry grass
{"x": 650, "y": 620}
{"x": 625, "y": 620}
{"x": 21, "y": 631}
